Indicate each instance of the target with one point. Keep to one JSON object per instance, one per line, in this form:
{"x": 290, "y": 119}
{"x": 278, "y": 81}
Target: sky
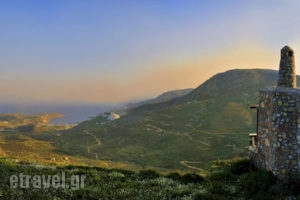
{"x": 112, "y": 51}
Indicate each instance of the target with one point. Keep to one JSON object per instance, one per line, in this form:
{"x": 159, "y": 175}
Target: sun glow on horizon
{"x": 103, "y": 52}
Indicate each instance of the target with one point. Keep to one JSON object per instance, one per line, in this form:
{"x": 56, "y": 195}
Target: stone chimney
{"x": 287, "y": 74}
{"x": 278, "y": 146}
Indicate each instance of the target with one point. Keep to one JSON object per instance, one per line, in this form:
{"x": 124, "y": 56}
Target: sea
{"x": 73, "y": 113}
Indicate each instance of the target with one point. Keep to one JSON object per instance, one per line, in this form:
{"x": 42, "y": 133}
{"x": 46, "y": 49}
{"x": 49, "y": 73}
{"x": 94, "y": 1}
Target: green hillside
{"x": 187, "y": 133}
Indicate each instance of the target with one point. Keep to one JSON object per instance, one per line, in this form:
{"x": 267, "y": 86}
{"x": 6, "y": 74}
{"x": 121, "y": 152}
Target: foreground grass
{"x": 228, "y": 180}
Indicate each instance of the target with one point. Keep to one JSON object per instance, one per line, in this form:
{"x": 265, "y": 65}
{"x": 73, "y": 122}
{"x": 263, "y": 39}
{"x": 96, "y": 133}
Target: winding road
{"x": 187, "y": 164}
{"x": 98, "y": 142}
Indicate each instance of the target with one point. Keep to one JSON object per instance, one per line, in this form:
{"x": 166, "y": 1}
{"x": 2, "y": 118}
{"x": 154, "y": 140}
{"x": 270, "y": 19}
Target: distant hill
{"x": 234, "y": 83}
{"x": 161, "y": 98}
{"x": 25, "y": 122}
{"x": 210, "y": 122}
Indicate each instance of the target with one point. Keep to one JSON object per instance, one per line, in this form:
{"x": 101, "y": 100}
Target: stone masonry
{"x": 278, "y": 148}
{"x": 287, "y": 72}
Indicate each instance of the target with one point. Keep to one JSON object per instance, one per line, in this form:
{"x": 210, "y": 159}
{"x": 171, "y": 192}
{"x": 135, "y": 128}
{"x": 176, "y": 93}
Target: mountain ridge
{"x": 164, "y": 97}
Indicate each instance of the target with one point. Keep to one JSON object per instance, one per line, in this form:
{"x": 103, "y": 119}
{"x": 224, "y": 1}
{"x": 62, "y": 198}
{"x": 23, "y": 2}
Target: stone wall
{"x": 278, "y": 147}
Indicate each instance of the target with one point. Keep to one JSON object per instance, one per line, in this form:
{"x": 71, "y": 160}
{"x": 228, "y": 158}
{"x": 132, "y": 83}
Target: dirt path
{"x": 187, "y": 164}
{"x": 91, "y": 134}
{"x": 98, "y": 142}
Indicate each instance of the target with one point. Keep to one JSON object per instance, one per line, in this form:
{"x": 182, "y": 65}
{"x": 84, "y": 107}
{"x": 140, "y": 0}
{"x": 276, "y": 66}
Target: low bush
{"x": 187, "y": 178}
{"x": 148, "y": 174}
{"x": 192, "y": 178}
{"x": 241, "y": 167}
{"x": 258, "y": 182}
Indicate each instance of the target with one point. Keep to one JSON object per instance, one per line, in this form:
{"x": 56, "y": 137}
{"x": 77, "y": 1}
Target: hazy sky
{"x": 101, "y": 51}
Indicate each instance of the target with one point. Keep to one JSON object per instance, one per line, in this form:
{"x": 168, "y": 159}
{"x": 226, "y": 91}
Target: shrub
{"x": 175, "y": 176}
{"x": 241, "y": 167}
{"x": 123, "y": 171}
{"x": 192, "y": 178}
{"x": 224, "y": 176}
{"x": 292, "y": 186}
{"x": 258, "y": 182}
{"x": 148, "y": 174}
{"x": 187, "y": 178}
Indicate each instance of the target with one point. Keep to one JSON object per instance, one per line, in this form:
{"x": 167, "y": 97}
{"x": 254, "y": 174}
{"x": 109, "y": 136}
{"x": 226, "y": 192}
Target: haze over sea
{"x": 73, "y": 113}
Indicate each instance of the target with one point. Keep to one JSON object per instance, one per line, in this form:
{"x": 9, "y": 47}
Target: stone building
{"x": 278, "y": 138}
